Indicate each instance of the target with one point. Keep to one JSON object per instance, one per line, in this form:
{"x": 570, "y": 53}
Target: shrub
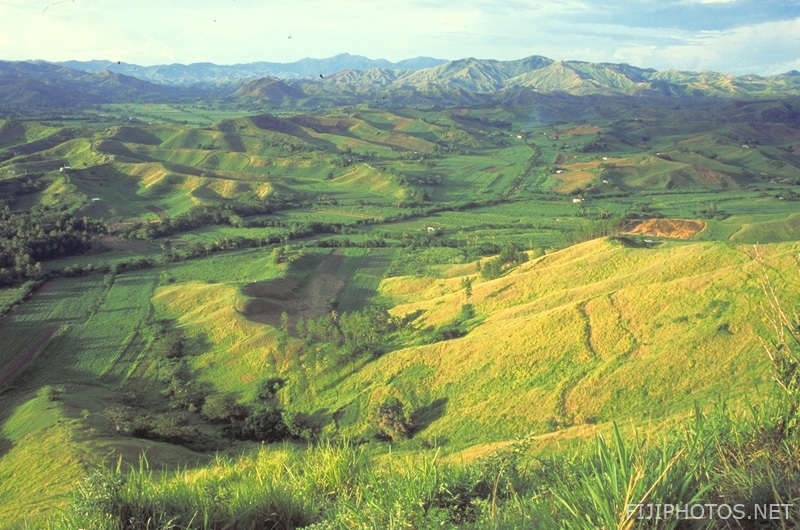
{"x": 392, "y": 420}
{"x": 268, "y": 389}
{"x": 222, "y": 408}
{"x": 265, "y": 424}
{"x": 300, "y": 426}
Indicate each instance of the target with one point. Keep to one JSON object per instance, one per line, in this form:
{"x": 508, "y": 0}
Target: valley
{"x": 356, "y": 314}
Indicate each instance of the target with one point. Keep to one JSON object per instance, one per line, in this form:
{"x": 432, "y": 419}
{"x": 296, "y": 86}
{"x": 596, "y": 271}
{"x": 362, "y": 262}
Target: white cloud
{"x": 757, "y": 48}
{"x": 154, "y": 32}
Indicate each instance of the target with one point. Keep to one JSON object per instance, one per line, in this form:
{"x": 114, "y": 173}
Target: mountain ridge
{"x": 347, "y": 79}
{"x": 180, "y": 74}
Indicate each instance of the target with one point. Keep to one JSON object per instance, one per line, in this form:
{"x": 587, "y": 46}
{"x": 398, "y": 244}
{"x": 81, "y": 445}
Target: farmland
{"x": 509, "y": 276}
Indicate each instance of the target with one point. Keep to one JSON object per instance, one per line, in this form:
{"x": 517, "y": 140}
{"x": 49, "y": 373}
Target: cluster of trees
{"x": 264, "y": 421}
{"x": 339, "y": 338}
{"x": 599, "y": 228}
{"x": 510, "y": 255}
{"x": 596, "y": 145}
{"x": 27, "y": 238}
{"x": 174, "y": 427}
{"x": 198, "y": 217}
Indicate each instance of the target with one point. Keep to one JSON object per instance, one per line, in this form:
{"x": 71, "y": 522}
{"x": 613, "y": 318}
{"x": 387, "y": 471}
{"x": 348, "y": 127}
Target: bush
{"x": 300, "y": 426}
{"x": 392, "y": 420}
{"x": 222, "y": 408}
{"x": 268, "y": 389}
{"x": 265, "y": 424}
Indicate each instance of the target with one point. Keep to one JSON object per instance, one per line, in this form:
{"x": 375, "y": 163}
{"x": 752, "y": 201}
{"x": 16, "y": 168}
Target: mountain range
{"x": 348, "y": 79}
{"x": 209, "y": 73}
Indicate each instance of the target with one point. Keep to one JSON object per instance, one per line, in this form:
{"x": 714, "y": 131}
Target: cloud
{"x": 758, "y": 48}
{"x": 687, "y": 34}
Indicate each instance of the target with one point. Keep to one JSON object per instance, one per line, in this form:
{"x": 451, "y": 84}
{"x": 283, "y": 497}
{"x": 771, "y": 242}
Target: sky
{"x": 733, "y": 36}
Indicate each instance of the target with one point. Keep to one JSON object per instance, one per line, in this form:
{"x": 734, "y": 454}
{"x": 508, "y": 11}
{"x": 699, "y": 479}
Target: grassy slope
{"x": 596, "y": 332}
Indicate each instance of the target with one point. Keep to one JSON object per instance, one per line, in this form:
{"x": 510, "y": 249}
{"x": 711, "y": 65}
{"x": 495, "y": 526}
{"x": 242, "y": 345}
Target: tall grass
{"x": 745, "y": 457}
{"x": 733, "y": 457}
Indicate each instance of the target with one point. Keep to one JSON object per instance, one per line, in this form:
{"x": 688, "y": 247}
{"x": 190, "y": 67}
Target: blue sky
{"x": 735, "y": 36}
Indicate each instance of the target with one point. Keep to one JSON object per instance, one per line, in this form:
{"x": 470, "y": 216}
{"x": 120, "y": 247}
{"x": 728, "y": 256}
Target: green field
{"x": 346, "y": 255}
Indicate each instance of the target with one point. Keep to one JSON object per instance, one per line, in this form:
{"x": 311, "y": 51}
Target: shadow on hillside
{"x": 5, "y": 446}
{"x": 422, "y": 418}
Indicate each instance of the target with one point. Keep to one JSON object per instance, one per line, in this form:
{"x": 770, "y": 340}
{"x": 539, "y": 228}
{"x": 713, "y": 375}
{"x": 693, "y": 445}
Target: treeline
{"x": 237, "y": 214}
{"x": 27, "y": 238}
{"x": 335, "y": 339}
{"x": 599, "y": 228}
{"x": 510, "y": 256}
{"x": 304, "y": 350}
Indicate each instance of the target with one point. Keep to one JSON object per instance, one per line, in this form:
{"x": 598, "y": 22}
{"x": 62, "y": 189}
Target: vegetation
{"x": 487, "y": 315}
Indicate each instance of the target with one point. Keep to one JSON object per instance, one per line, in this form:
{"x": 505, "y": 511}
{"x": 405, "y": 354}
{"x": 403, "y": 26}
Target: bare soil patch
{"x": 580, "y": 130}
{"x": 267, "y": 300}
{"x": 47, "y": 286}
{"x": 22, "y": 360}
{"x": 158, "y": 211}
{"x": 115, "y": 243}
{"x": 671, "y": 228}
{"x": 572, "y": 180}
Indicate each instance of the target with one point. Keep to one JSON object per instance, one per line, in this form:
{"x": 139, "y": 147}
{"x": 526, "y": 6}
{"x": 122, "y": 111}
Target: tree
{"x": 222, "y": 407}
{"x": 391, "y": 419}
{"x": 466, "y": 284}
{"x": 268, "y": 389}
{"x": 167, "y": 252}
{"x": 265, "y": 424}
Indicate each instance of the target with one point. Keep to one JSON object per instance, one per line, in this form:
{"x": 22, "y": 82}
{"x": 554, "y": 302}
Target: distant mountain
{"x": 547, "y": 76}
{"x": 24, "y": 84}
{"x": 268, "y": 90}
{"x": 209, "y": 73}
{"x": 348, "y": 79}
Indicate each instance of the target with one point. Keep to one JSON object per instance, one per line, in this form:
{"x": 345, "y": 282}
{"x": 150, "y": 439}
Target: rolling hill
{"x": 347, "y": 79}
{"x": 416, "y": 308}
{"x": 43, "y": 85}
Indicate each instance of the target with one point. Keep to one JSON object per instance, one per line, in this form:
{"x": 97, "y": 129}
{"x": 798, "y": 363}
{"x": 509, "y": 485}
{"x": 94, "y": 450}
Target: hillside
{"x": 347, "y": 80}
{"x": 573, "y": 77}
{"x": 42, "y": 85}
{"x": 208, "y": 73}
{"x": 579, "y": 338}
{"x": 324, "y": 313}
{"x": 268, "y": 90}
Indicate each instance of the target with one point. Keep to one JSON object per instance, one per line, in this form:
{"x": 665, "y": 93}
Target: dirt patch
{"x": 562, "y": 158}
{"x": 267, "y": 300}
{"x": 22, "y": 360}
{"x": 279, "y": 289}
{"x": 572, "y": 180}
{"x": 158, "y": 211}
{"x": 47, "y": 286}
{"x": 672, "y": 228}
{"x": 580, "y": 130}
{"x": 115, "y": 243}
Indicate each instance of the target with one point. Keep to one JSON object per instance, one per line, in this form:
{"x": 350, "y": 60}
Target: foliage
{"x": 510, "y": 255}
{"x": 222, "y": 408}
{"x": 392, "y": 420}
{"x": 264, "y": 424}
{"x": 268, "y": 388}
{"x": 26, "y": 238}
